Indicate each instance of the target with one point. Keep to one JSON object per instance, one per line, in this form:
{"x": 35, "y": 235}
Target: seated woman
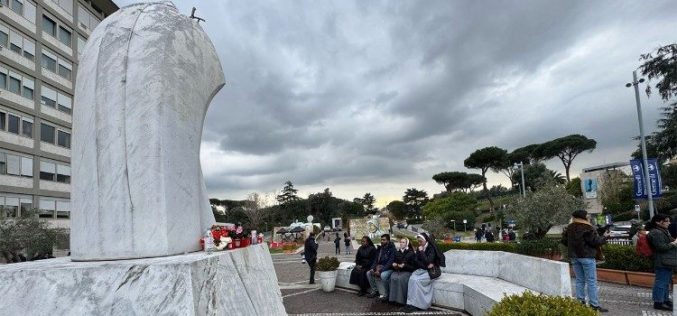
{"x": 420, "y": 287}
{"x": 403, "y": 266}
{"x": 363, "y": 260}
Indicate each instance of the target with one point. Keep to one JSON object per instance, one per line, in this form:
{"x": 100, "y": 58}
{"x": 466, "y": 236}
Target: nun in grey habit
{"x": 403, "y": 266}
{"x": 420, "y": 287}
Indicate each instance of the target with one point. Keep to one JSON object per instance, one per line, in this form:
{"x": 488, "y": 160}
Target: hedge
{"x": 619, "y": 257}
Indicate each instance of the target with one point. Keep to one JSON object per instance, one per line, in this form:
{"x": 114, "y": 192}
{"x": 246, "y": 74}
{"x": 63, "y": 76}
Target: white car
{"x": 620, "y": 231}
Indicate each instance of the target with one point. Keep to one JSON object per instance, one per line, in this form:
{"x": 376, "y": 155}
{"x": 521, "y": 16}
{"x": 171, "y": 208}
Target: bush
{"x": 528, "y": 304}
{"x": 327, "y": 264}
{"x": 507, "y": 247}
{"x": 539, "y": 247}
{"x": 620, "y": 257}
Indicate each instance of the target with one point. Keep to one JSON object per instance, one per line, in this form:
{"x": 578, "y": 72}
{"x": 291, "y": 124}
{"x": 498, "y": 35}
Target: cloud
{"x": 378, "y": 96}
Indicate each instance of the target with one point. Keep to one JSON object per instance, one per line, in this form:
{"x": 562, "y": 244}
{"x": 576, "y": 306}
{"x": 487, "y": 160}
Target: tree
{"x": 616, "y": 192}
{"x": 254, "y": 210}
{"x": 574, "y": 187}
{"x": 457, "y": 206}
{"x": 493, "y": 158}
{"x": 539, "y": 211}
{"x": 27, "y": 236}
{"x": 288, "y": 193}
{"x": 526, "y": 154}
{"x": 323, "y": 205}
{"x": 415, "y": 200}
{"x": 537, "y": 174}
{"x": 398, "y": 209}
{"x": 566, "y": 149}
{"x": 368, "y": 203}
{"x": 458, "y": 181}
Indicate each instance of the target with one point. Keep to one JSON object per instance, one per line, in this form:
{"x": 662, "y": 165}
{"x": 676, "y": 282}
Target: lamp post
{"x": 454, "y": 223}
{"x": 647, "y": 183}
{"x": 521, "y": 166}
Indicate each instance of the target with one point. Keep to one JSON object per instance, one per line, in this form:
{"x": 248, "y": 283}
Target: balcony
{"x": 7, "y": 12}
{"x": 56, "y": 8}
{"x": 15, "y": 139}
{"x": 23, "y": 61}
{"x": 16, "y": 181}
{"x": 53, "y": 149}
{"x": 54, "y": 186}
{"x": 56, "y": 113}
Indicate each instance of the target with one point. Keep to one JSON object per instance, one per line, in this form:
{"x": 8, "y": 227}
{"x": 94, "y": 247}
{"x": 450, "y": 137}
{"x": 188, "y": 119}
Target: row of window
{"x": 16, "y": 83}
{"x": 87, "y": 20}
{"x": 50, "y": 61}
{"x": 25, "y": 8}
{"x": 16, "y": 42}
{"x": 16, "y": 165}
{"x": 16, "y": 124}
{"x": 52, "y": 171}
{"x": 55, "y": 99}
{"x": 11, "y": 204}
{"x": 56, "y": 136}
{"x": 67, "y": 5}
{"x": 58, "y": 31}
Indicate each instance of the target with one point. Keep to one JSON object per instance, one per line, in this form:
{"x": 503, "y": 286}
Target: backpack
{"x": 643, "y": 248}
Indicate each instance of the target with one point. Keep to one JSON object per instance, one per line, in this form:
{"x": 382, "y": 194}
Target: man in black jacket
{"x": 379, "y": 275}
{"x": 583, "y": 242}
{"x": 310, "y": 253}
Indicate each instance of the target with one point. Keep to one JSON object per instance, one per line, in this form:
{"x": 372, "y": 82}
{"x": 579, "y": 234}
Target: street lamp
{"x": 647, "y": 183}
{"x": 521, "y": 166}
{"x": 454, "y": 221}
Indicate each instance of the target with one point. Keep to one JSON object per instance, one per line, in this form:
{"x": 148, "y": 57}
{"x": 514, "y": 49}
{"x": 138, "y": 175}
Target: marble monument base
{"x": 235, "y": 282}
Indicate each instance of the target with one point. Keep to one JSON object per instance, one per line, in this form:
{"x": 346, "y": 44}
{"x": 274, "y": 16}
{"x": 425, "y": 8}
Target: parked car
{"x": 327, "y": 228}
{"x": 619, "y": 231}
{"x": 401, "y": 225}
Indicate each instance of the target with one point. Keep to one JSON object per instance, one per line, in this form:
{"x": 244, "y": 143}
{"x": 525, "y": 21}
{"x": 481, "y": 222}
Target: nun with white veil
{"x": 420, "y": 288}
{"x": 403, "y": 266}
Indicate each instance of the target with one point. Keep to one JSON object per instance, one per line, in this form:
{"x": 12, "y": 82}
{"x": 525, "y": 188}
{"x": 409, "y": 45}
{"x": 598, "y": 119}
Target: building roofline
{"x": 608, "y": 166}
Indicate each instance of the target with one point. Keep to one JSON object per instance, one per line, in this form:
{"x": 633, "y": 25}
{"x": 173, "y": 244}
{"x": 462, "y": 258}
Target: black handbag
{"x": 434, "y": 272}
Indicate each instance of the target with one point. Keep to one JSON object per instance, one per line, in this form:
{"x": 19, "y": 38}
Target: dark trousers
{"x": 311, "y": 264}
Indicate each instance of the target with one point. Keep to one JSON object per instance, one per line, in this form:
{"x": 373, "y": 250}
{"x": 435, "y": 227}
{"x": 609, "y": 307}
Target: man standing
{"x": 310, "y": 253}
{"x": 379, "y": 275}
{"x": 582, "y": 241}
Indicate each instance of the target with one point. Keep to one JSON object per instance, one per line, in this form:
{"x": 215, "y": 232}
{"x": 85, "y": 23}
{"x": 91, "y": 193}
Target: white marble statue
{"x": 145, "y": 81}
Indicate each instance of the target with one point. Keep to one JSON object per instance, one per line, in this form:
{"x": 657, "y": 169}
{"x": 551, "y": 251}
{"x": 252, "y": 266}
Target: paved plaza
{"x": 301, "y": 298}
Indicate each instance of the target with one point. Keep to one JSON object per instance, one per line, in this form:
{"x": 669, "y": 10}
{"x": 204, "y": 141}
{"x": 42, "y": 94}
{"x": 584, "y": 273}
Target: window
{"x": 47, "y": 133}
{"x": 3, "y": 81}
{"x": 29, "y": 11}
{"x": 64, "y": 139}
{"x": 63, "y": 173}
{"x": 87, "y": 20}
{"x": 48, "y": 26}
{"x": 13, "y": 164}
{"x": 14, "y": 83}
{"x": 4, "y": 36}
{"x": 3, "y": 116}
{"x": 65, "y": 103}
{"x": 64, "y": 36}
{"x": 47, "y": 171}
{"x": 65, "y": 69}
{"x": 3, "y": 164}
{"x": 15, "y": 42}
{"x": 18, "y": 6}
{"x": 67, "y": 5}
{"x": 47, "y": 207}
{"x": 63, "y": 209}
{"x": 27, "y": 127}
{"x": 27, "y": 88}
{"x": 48, "y": 96}
{"x": 48, "y": 62}
{"x": 29, "y": 49}
{"x": 13, "y": 124}
{"x": 27, "y": 167}
{"x": 11, "y": 207}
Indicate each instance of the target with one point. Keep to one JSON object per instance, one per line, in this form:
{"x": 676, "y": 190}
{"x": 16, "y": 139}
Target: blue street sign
{"x": 639, "y": 191}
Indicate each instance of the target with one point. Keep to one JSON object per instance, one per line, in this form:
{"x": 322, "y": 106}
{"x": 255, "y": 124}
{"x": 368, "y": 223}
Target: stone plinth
{"x": 236, "y": 282}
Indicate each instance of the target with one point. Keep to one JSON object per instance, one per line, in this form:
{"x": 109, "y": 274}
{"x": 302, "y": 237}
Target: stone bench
{"x": 475, "y": 280}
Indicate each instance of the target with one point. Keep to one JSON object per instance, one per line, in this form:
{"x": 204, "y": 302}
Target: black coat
{"x": 365, "y": 256}
{"x": 423, "y": 258}
{"x": 406, "y": 257}
{"x": 310, "y": 249}
{"x": 582, "y": 240}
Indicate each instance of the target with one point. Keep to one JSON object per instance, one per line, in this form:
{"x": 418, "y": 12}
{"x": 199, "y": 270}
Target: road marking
{"x": 302, "y": 292}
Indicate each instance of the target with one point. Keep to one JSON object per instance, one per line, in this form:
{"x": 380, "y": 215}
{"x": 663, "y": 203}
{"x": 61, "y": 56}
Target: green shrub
{"x": 327, "y": 264}
{"x": 539, "y": 247}
{"x": 529, "y": 304}
{"x": 620, "y": 257}
{"x": 508, "y": 247}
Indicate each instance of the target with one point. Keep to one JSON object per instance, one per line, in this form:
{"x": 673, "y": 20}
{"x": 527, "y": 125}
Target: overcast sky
{"x": 378, "y": 96}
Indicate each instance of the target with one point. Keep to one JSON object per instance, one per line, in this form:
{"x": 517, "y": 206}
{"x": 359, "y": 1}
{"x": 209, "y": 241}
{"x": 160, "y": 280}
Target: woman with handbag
{"x": 363, "y": 259}
{"x": 428, "y": 260}
{"x": 665, "y": 260}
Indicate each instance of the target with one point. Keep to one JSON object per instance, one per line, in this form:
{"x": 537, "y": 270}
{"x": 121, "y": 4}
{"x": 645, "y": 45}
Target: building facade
{"x": 40, "y": 41}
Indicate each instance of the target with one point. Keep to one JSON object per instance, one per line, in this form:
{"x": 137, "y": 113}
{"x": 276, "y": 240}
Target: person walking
{"x": 363, "y": 260}
{"x": 379, "y": 274}
{"x": 337, "y": 243}
{"x": 310, "y": 254}
{"x": 428, "y": 258}
{"x": 346, "y": 241}
{"x": 478, "y": 235}
{"x": 403, "y": 266}
{"x": 582, "y": 241}
{"x": 665, "y": 260}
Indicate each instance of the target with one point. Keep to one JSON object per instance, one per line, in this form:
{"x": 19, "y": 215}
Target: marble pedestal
{"x": 236, "y": 282}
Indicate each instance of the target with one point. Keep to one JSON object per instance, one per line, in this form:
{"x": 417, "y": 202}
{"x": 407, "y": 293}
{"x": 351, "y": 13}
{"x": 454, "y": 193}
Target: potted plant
{"x": 326, "y": 270}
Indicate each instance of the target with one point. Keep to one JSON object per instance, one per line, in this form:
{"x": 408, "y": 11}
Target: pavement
{"x": 301, "y": 298}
